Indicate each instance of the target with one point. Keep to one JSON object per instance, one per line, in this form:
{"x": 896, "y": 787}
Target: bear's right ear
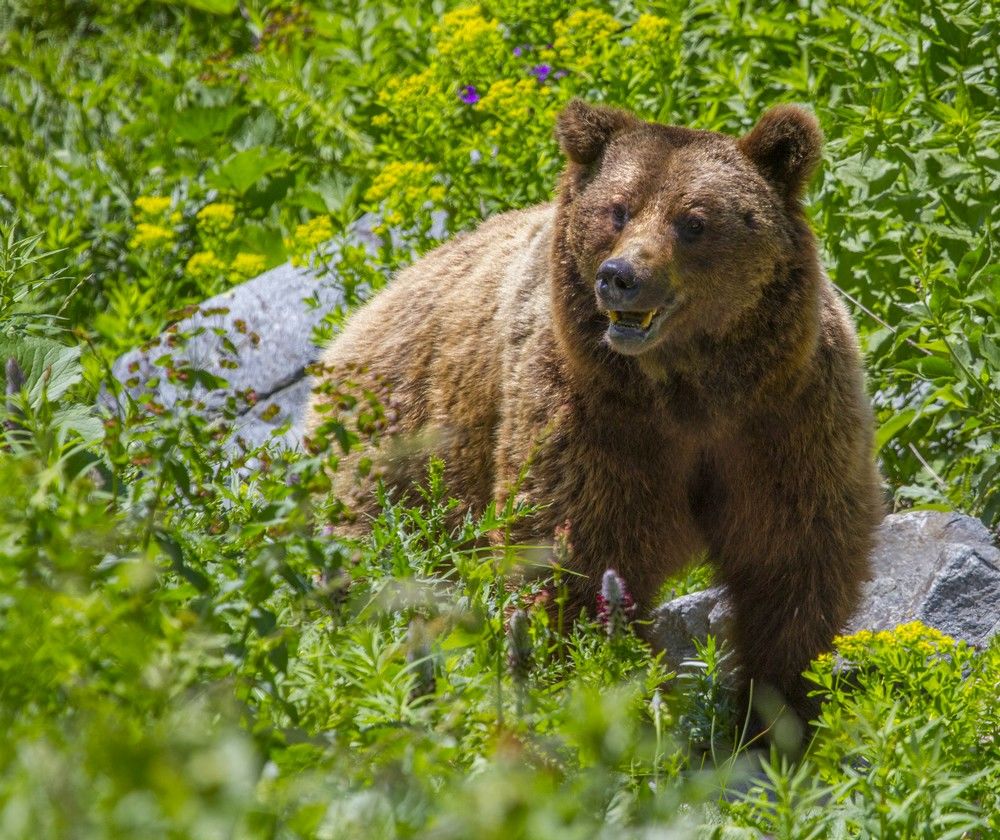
{"x": 785, "y": 146}
{"x": 584, "y": 130}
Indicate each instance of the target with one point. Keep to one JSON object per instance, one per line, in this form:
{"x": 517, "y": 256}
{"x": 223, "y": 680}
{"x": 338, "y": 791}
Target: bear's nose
{"x": 616, "y": 282}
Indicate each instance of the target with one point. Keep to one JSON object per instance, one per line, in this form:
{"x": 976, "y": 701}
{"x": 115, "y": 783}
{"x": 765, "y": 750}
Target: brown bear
{"x": 663, "y": 350}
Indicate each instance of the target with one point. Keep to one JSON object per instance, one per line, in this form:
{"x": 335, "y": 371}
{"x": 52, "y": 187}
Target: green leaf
{"x": 895, "y": 424}
{"x": 47, "y": 365}
{"x": 244, "y": 169}
{"x": 197, "y": 123}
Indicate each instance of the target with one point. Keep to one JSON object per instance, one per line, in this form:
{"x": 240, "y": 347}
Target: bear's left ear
{"x": 785, "y": 146}
{"x": 584, "y": 130}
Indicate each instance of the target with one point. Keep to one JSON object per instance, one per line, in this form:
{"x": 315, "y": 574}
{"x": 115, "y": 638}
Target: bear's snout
{"x": 617, "y": 283}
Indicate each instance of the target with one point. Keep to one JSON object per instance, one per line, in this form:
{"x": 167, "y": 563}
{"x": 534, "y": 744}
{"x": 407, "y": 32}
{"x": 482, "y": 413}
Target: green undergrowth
{"x": 186, "y": 650}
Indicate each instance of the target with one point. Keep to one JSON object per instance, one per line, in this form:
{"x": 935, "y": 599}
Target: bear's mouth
{"x": 638, "y": 321}
{"x": 634, "y": 332}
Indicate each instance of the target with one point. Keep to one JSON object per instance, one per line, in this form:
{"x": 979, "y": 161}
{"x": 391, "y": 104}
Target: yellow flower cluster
{"x": 217, "y": 216}
{"x": 465, "y": 34}
{"x": 652, "y": 30}
{"x": 152, "y": 205}
{"x": 247, "y": 265}
{"x": 408, "y": 89}
{"x": 207, "y": 265}
{"x": 584, "y": 31}
{"x": 512, "y": 99}
{"x": 914, "y": 635}
{"x": 307, "y": 238}
{"x": 150, "y": 236}
{"x": 405, "y": 182}
{"x": 204, "y": 265}
{"x": 314, "y": 232}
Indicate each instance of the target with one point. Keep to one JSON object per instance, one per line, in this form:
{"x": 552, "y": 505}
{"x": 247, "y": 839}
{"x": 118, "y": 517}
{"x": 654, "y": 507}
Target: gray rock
{"x": 694, "y": 616}
{"x": 256, "y": 336}
{"x": 938, "y": 568}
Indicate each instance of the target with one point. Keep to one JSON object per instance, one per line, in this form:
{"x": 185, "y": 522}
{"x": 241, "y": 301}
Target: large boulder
{"x": 257, "y": 336}
{"x": 939, "y": 568}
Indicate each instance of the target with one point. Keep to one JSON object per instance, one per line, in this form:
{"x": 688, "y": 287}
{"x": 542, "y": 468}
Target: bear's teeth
{"x": 642, "y": 320}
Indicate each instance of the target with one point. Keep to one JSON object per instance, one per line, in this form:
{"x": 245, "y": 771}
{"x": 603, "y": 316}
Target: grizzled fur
{"x": 737, "y": 424}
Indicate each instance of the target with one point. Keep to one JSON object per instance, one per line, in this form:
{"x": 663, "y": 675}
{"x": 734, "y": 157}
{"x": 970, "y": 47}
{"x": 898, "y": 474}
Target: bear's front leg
{"x": 792, "y": 541}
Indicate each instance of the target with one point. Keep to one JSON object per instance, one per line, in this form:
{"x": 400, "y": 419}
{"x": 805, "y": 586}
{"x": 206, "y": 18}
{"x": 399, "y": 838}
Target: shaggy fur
{"x": 739, "y": 426}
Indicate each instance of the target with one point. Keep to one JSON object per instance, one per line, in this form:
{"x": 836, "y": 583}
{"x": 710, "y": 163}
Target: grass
{"x": 184, "y": 651}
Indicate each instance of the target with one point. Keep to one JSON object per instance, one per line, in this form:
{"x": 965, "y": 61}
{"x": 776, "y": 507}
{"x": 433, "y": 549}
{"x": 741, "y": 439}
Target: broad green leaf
{"x": 48, "y": 366}
{"x": 888, "y": 430}
{"x": 244, "y": 169}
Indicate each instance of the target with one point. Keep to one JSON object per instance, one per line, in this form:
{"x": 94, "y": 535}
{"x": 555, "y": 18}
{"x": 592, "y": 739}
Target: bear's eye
{"x": 690, "y": 228}
{"x": 619, "y": 215}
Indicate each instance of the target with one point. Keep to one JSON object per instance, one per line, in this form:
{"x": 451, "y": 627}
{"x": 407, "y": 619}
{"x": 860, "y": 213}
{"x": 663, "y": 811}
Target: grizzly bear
{"x": 662, "y": 349}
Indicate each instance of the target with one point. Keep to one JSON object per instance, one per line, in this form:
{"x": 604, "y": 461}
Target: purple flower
{"x": 541, "y": 71}
{"x": 469, "y": 95}
{"x": 517, "y": 52}
{"x": 559, "y": 74}
{"x": 614, "y": 604}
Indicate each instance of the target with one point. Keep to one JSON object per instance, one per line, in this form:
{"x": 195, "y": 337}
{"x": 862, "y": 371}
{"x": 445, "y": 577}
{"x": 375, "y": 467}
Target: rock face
{"x": 256, "y": 336}
{"x": 939, "y": 568}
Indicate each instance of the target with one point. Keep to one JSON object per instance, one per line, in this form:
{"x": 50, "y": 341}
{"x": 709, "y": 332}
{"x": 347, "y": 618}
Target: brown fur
{"x": 742, "y": 428}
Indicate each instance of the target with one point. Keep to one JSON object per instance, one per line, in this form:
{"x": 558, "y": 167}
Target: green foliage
{"x": 186, "y": 650}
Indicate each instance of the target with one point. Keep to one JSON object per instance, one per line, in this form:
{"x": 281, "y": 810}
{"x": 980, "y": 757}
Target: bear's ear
{"x": 785, "y": 146}
{"x": 584, "y": 130}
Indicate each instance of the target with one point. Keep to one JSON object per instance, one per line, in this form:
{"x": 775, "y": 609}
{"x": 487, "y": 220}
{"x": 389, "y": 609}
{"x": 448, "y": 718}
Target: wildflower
{"x": 314, "y": 232}
{"x": 152, "y": 205}
{"x": 217, "y": 215}
{"x": 401, "y": 177}
{"x": 563, "y": 548}
{"x": 381, "y": 120}
{"x": 651, "y": 29}
{"x": 614, "y": 604}
{"x": 913, "y": 635}
{"x": 308, "y": 237}
{"x": 247, "y": 265}
{"x": 519, "y": 653}
{"x": 469, "y": 95}
{"x": 204, "y": 264}
{"x": 541, "y": 71}
{"x": 465, "y": 34}
{"x": 518, "y": 51}
{"x": 150, "y": 235}
{"x": 510, "y": 100}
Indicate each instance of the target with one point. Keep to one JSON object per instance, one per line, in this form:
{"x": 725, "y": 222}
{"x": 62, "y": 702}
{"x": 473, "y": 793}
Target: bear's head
{"x": 674, "y": 233}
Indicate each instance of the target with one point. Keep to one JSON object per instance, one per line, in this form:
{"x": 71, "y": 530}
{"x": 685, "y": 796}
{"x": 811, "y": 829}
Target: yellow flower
{"x": 248, "y": 265}
{"x": 152, "y": 205}
{"x": 381, "y": 120}
{"x": 464, "y": 32}
{"x": 651, "y": 29}
{"x": 583, "y": 31}
{"x": 204, "y": 264}
{"x": 218, "y": 215}
{"x": 308, "y": 237}
{"x": 914, "y": 635}
{"x": 406, "y": 178}
{"x": 413, "y": 89}
{"x": 510, "y": 99}
{"x": 150, "y": 236}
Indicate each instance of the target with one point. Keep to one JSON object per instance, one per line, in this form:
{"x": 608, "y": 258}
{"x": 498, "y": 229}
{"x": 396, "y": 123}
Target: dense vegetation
{"x": 185, "y": 650}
